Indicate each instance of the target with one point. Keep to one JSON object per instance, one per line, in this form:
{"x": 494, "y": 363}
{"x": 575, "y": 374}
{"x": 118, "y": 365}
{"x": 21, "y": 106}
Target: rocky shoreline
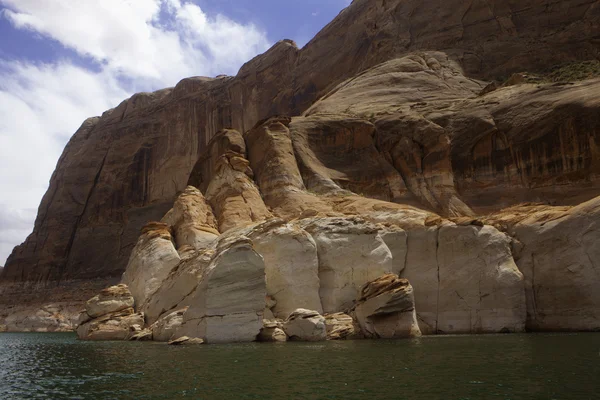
{"x": 320, "y": 278}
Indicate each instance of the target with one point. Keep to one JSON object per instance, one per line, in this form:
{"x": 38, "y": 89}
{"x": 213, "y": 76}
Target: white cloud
{"x": 134, "y": 45}
{"x": 159, "y": 40}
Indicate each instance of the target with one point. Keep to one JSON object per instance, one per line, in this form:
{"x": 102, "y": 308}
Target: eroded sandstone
{"x": 321, "y": 179}
{"x": 386, "y": 308}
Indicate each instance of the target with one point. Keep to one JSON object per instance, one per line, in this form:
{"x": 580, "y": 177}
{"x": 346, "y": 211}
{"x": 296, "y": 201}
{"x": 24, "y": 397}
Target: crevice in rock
{"x": 533, "y": 318}
{"x": 437, "y": 250}
{"x": 78, "y": 221}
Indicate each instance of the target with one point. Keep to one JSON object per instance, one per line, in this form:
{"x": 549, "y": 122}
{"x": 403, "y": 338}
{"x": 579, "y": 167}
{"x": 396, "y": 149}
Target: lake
{"x": 535, "y": 366}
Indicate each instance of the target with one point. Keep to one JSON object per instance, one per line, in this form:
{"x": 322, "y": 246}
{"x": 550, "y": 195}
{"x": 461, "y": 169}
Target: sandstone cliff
{"x": 378, "y": 148}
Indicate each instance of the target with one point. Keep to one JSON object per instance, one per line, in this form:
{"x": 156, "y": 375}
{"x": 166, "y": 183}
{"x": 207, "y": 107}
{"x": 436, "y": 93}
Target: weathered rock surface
{"x": 136, "y": 333}
{"x": 112, "y": 179}
{"x": 112, "y": 326}
{"x": 110, "y": 300}
{"x": 465, "y": 280}
{"x": 59, "y": 317}
{"x": 386, "y": 309}
{"x": 271, "y": 332}
{"x": 557, "y": 248}
{"x": 305, "y": 325}
{"x": 341, "y": 326}
{"x": 53, "y": 309}
{"x": 184, "y": 340}
{"x": 110, "y": 316}
{"x": 178, "y": 287}
{"x": 229, "y": 301}
{"x": 225, "y": 172}
{"x": 291, "y": 266}
{"x": 164, "y": 329}
{"x": 151, "y": 261}
{"x": 379, "y": 148}
{"x": 192, "y": 220}
{"x": 351, "y": 253}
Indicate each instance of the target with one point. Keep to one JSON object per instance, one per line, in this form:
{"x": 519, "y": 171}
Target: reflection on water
{"x": 548, "y": 366}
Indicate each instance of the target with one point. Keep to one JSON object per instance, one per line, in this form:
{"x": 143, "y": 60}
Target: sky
{"x": 62, "y": 61}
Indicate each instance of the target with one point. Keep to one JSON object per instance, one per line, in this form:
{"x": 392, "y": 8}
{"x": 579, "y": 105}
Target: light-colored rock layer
{"x": 55, "y": 317}
{"x": 229, "y": 301}
{"x": 164, "y": 329}
{"x": 178, "y": 287}
{"x": 305, "y": 325}
{"x": 558, "y": 251}
{"x": 465, "y": 280}
{"x": 351, "y": 253}
{"x": 291, "y": 266}
{"x": 151, "y": 261}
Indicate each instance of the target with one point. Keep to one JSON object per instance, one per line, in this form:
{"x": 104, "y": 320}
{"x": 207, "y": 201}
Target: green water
{"x": 548, "y": 366}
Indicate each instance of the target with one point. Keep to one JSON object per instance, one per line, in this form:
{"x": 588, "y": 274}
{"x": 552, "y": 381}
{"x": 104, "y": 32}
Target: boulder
{"x": 110, "y": 300}
{"x": 386, "y": 309}
{"x": 272, "y": 332}
{"x": 305, "y": 325}
{"x": 113, "y": 326}
{"x": 341, "y": 326}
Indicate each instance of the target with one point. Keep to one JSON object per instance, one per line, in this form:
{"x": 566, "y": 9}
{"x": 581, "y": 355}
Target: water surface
{"x": 515, "y": 367}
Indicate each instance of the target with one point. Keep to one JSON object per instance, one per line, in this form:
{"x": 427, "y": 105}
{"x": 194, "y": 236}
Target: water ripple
{"x": 515, "y": 367}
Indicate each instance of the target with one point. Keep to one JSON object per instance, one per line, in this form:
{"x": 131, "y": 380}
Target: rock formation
{"x": 377, "y": 178}
{"x": 557, "y": 248}
{"x": 110, "y": 316}
{"x": 272, "y": 332}
{"x": 305, "y": 325}
{"x": 151, "y": 261}
{"x": 341, "y": 326}
{"x": 386, "y": 309}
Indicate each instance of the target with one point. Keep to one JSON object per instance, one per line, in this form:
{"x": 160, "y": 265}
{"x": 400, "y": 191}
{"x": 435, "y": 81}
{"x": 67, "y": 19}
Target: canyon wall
{"x": 385, "y": 115}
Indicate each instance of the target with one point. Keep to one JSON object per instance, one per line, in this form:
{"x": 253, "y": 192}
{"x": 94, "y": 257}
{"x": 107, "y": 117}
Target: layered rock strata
{"x": 315, "y": 172}
{"x": 110, "y": 316}
{"x": 386, "y": 309}
{"x": 123, "y": 169}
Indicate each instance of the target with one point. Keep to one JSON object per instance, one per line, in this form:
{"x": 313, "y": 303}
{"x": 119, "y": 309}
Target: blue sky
{"x": 62, "y": 61}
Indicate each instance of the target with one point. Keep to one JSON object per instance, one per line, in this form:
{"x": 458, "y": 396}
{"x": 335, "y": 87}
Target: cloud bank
{"x": 122, "y": 47}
